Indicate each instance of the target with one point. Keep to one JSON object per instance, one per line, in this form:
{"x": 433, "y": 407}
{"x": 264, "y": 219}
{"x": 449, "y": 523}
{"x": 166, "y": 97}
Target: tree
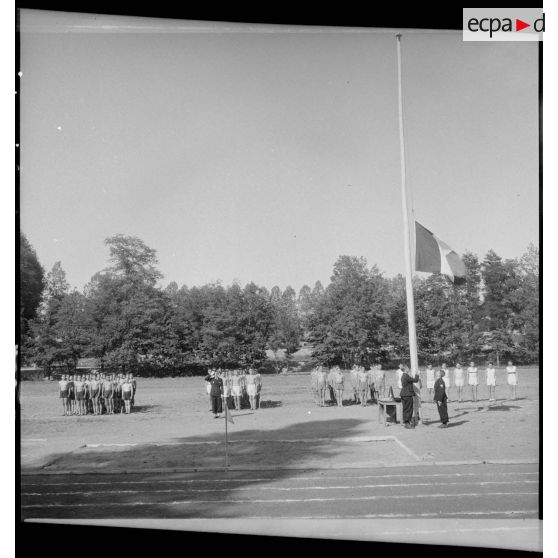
{"x": 287, "y": 331}
{"x": 129, "y": 312}
{"x": 236, "y": 325}
{"x": 499, "y": 281}
{"x": 305, "y": 305}
{"x": 445, "y": 329}
{"x": 317, "y": 292}
{"x": 172, "y": 289}
{"x": 528, "y": 299}
{"x": 470, "y": 291}
{"x": 350, "y": 323}
{"x": 61, "y": 333}
{"x": 275, "y": 295}
{"x": 504, "y": 299}
{"x": 133, "y": 259}
{"x": 56, "y": 285}
{"x": 32, "y": 282}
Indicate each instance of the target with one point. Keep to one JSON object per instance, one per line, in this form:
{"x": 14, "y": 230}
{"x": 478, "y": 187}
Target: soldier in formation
{"x": 97, "y": 393}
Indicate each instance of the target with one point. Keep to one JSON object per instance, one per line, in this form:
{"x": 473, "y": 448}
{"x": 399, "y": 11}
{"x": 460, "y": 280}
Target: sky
{"x": 263, "y": 155}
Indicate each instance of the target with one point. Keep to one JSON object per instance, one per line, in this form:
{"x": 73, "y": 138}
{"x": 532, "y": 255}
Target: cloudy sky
{"x": 257, "y": 153}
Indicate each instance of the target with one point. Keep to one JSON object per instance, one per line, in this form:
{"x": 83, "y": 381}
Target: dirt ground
{"x": 171, "y": 427}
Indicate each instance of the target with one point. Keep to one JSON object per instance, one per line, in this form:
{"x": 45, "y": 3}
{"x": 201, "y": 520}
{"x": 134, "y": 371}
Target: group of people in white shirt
{"x": 97, "y": 393}
{"x": 470, "y": 377}
{"x": 370, "y": 385}
{"x": 237, "y": 387}
{"x": 366, "y": 384}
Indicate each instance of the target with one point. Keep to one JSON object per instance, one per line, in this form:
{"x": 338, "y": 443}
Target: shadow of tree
{"x": 205, "y": 493}
{"x": 269, "y": 404}
{"x": 146, "y": 408}
{"x": 352, "y": 402}
{"x": 502, "y": 407}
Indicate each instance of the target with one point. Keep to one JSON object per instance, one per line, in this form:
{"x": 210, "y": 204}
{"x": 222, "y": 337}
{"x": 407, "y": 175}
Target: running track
{"x": 423, "y": 492}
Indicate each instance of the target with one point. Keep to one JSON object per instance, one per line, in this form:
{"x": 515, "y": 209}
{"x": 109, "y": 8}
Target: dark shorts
{"x": 127, "y": 395}
{"x": 72, "y": 395}
{"x": 64, "y": 394}
{"x": 95, "y": 393}
{"x": 79, "y": 395}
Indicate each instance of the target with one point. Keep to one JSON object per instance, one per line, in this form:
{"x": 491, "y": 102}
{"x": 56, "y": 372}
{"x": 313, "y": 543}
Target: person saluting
{"x": 407, "y": 394}
{"x": 215, "y": 392}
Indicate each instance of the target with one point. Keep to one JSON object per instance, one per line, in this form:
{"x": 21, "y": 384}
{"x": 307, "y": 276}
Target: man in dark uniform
{"x": 407, "y": 394}
{"x": 215, "y": 393}
{"x": 441, "y": 398}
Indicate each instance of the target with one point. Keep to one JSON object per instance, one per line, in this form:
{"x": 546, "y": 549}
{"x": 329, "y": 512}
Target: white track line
{"x": 440, "y": 515}
{"x": 278, "y": 488}
{"x": 426, "y": 515}
{"x": 109, "y": 445}
{"x": 408, "y": 450}
{"x": 282, "y": 501}
{"x": 280, "y": 441}
{"x": 462, "y": 530}
{"x": 272, "y": 479}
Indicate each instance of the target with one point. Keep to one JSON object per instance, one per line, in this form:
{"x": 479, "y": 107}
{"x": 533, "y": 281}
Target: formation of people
{"x": 328, "y": 384}
{"x": 234, "y": 389}
{"x": 97, "y": 393}
{"x": 470, "y": 377}
{"x": 366, "y": 385}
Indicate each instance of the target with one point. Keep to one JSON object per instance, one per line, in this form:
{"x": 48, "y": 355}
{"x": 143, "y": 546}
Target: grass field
{"x": 171, "y": 426}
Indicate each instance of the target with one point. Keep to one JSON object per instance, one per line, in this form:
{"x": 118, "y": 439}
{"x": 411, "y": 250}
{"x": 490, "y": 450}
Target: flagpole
{"x": 226, "y": 434}
{"x": 406, "y": 229}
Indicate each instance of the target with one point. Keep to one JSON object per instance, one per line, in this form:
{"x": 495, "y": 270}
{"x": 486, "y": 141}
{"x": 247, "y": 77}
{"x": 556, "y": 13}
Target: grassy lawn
{"x": 175, "y": 411}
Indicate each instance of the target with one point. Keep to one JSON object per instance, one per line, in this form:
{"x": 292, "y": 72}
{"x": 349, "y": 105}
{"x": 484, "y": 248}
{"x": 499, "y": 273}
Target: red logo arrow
{"x": 519, "y": 25}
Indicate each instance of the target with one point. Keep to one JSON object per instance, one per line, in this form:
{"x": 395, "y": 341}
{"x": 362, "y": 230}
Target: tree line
{"x": 128, "y": 321}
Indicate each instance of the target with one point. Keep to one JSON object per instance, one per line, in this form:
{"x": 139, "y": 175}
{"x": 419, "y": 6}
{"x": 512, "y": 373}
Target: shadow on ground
{"x": 457, "y": 415}
{"x": 503, "y": 407}
{"x": 309, "y": 448}
{"x": 452, "y": 424}
{"x": 438, "y": 422}
{"x": 348, "y": 403}
{"x": 269, "y": 404}
{"x": 146, "y": 408}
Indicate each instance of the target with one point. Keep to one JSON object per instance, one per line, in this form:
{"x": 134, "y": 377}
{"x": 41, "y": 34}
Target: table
{"x": 384, "y": 405}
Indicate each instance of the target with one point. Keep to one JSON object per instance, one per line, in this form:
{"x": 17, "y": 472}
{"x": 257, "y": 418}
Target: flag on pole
{"x": 432, "y": 255}
{"x": 228, "y": 414}
{"x": 228, "y": 418}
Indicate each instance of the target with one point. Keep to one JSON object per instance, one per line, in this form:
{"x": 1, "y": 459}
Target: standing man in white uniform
{"x": 491, "y": 381}
{"x": 459, "y": 381}
{"x": 380, "y": 382}
{"x": 512, "y": 378}
{"x": 473, "y": 379}
{"x": 447, "y": 380}
{"x": 430, "y": 380}
{"x": 252, "y": 388}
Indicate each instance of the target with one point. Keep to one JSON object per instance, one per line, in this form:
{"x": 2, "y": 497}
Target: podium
{"x": 384, "y": 405}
